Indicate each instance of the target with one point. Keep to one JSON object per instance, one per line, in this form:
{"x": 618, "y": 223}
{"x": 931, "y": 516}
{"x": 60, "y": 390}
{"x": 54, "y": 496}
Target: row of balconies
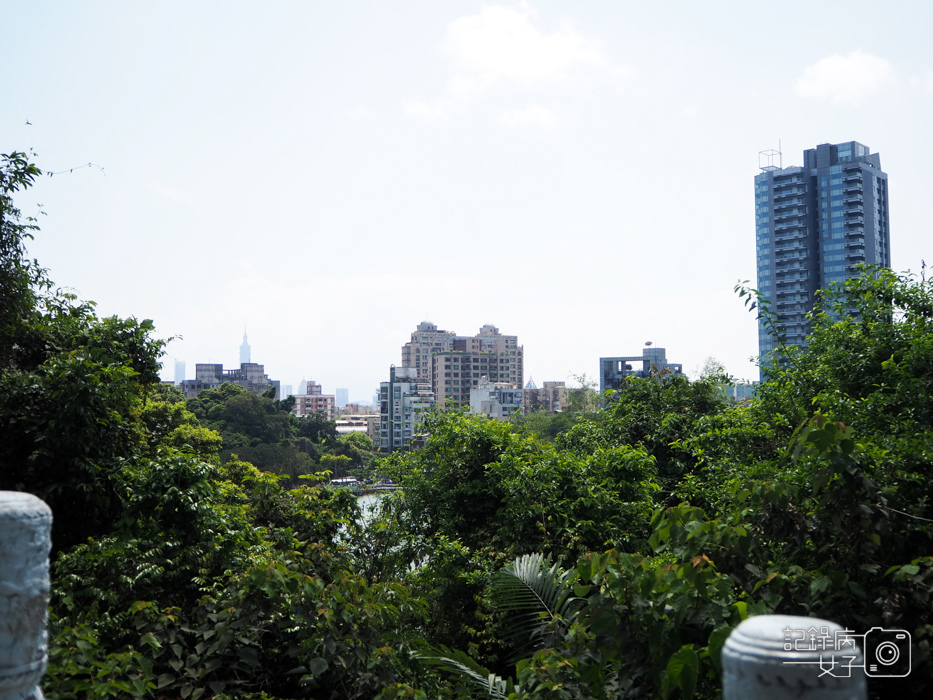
{"x": 788, "y": 204}
{"x": 788, "y": 222}
{"x": 790, "y": 265}
{"x": 796, "y": 235}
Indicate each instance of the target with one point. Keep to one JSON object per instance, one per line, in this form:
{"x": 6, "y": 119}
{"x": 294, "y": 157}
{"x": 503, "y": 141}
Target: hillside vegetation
{"x": 199, "y": 553}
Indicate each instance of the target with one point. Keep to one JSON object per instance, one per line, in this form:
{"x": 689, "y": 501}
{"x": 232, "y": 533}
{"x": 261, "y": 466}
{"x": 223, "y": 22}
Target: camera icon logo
{"x": 887, "y": 653}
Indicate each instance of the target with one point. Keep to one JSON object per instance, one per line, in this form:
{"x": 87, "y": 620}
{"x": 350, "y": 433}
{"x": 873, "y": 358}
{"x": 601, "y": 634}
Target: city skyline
{"x": 329, "y": 176}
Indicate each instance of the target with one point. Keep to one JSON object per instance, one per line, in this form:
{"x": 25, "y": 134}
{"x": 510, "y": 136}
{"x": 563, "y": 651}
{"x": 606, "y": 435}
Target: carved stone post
{"x": 778, "y": 657}
{"x": 25, "y": 542}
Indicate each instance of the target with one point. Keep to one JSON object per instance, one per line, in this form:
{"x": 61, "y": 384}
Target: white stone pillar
{"x": 25, "y": 542}
{"x": 778, "y": 657}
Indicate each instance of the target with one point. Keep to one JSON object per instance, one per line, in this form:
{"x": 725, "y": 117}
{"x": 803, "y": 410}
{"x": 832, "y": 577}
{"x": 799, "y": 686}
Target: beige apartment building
{"x": 453, "y": 364}
{"x": 551, "y": 398}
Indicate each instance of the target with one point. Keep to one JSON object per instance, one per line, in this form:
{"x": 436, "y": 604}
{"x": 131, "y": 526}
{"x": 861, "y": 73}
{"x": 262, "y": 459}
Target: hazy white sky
{"x": 327, "y": 175}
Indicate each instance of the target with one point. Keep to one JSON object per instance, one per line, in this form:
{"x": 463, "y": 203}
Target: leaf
{"x": 682, "y": 670}
{"x": 317, "y": 665}
{"x": 717, "y": 639}
{"x": 819, "y": 585}
{"x": 249, "y": 655}
{"x": 463, "y": 665}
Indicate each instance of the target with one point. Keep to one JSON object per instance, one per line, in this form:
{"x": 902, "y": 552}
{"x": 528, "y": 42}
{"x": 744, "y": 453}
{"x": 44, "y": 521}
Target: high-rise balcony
{"x": 785, "y": 224}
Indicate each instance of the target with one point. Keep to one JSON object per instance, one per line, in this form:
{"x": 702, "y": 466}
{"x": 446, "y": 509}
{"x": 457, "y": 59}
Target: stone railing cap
{"x": 16, "y": 505}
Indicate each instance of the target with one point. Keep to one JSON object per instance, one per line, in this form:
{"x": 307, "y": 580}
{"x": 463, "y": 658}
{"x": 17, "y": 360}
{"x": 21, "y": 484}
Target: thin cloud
{"x": 174, "y": 194}
{"x": 533, "y": 115}
{"x": 503, "y": 46}
{"x": 924, "y": 83}
{"x": 359, "y": 114}
{"x": 424, "y": 110}
{"x": 848, "y": 79}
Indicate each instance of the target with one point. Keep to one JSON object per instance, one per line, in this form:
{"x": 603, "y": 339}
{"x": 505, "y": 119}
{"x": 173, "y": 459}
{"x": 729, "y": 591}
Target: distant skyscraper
{"x": 179, "y": 372}
{"x": 343, "y": 397}
{"x": 813, "y": 224}
{"x": 244, "y": 351}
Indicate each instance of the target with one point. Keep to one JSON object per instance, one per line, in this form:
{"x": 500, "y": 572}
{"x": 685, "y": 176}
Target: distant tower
{"x": 244, "y": 351}
{"x": 179, "y": 372}
{"x": 343, "y": 396}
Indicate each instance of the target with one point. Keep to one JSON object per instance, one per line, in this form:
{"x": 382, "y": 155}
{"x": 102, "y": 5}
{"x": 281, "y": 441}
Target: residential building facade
{"x": 550, "y": 398}
{"x": 314, "y": 400}
{"x": 453, "y": 364}
{"x": 499, "y": 401}
{"x": 813, "y": 224}
{"x": 403, "y": 400}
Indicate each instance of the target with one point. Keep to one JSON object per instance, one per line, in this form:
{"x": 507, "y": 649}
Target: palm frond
{"x": 463, "y": 665}
{"x": 527, "y": 585}
{"x": 536, "y": 594}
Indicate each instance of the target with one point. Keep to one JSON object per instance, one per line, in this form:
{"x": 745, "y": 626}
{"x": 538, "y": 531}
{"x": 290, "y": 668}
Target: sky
{"x": 324, "y": 176}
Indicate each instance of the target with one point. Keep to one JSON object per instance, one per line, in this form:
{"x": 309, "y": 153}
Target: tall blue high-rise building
{"x": 813, "y": 224}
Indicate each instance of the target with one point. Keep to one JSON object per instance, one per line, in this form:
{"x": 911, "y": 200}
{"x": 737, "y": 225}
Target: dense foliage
{"x": 605, "y": 553}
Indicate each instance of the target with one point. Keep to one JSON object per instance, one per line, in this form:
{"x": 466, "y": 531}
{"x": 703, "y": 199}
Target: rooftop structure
{"x": 614, "y": 370}
{"x": 250, "y": 376}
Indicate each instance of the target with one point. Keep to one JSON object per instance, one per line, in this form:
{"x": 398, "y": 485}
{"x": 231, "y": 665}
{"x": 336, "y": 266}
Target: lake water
{"x": 368, "y": 500}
